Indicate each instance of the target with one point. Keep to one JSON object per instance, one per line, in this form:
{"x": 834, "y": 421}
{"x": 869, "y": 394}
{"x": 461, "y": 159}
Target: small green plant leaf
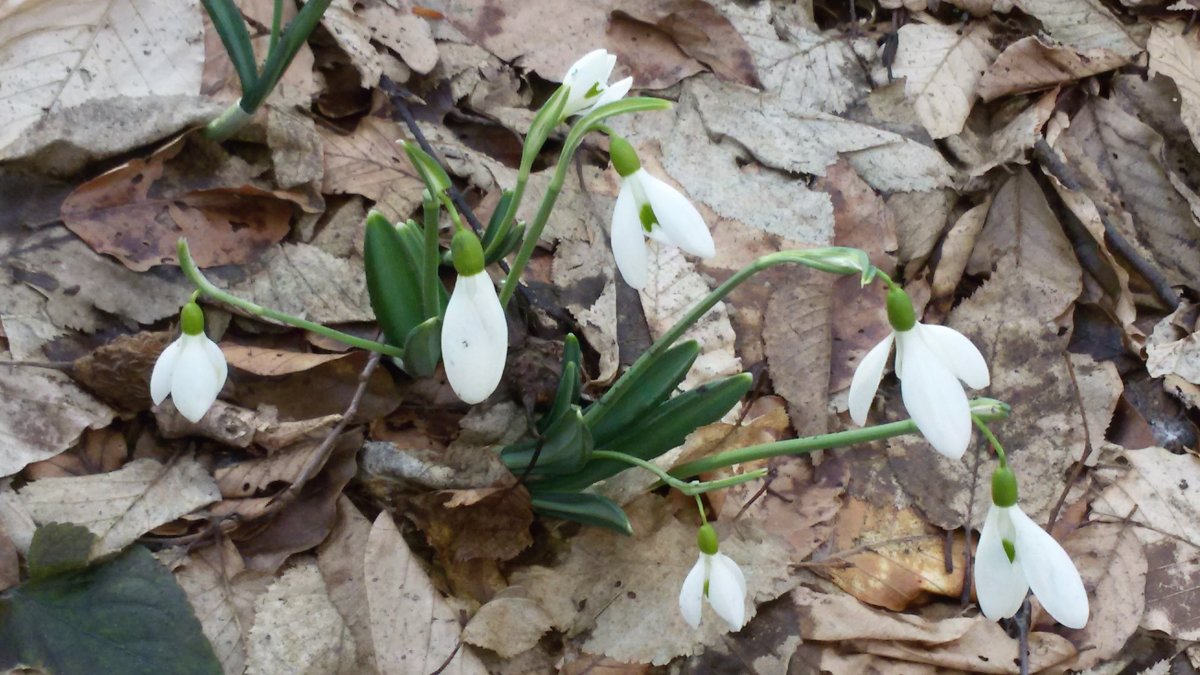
{"x": 435, "y": 177}
{"x": 566, "y": 448}
{"x": 569, "y": 384}
{"x": 583, "y": 508}
{"x": 423, "y": 348}
{"x": 393, "y": 282}
{"x": 126, "y": 615}
{"x": 611, "y": 415}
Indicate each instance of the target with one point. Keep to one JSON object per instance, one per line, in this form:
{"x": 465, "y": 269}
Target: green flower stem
{"x": 684, "y": 487}
{"x": 429, "y": 294}
{"x": 662, "y": 344}
{"x": 987, "y": 433}
{"x": 800, "y": 446}
{"x": 276, "y": 25}
{"x": 533, "y": 234}
{"x": 192, "y": 272}
{"x": 228, "y": 122}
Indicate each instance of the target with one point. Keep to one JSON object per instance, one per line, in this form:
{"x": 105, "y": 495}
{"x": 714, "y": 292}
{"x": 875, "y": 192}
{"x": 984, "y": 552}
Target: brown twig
{"x": 1023, "y": 621}
{"x": 1087, "y": 444}
{"x": 1067, "y": 176}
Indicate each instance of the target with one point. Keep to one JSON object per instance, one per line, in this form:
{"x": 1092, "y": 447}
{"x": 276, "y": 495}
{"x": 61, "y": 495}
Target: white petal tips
{"x": 588, "y": 82}
{"x": 1051, "y": 574}
{"x": 692, "y": 592}
{"x": 958, "y": 353}
{"x": 1000, "y": 585}
{"x": 727, "y": 591}
{"x": 933, "y": 396}
{"x": 866, "y": 379}
{"x": 628, "y": 241}
{"x": 679, "y": 219}
{"x": 474, "y": 338}
{"x": 192, "y": 371}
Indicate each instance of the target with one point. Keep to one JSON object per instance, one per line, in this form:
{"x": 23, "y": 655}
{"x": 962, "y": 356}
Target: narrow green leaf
{"x": 566, "y": 447}
{"x": 610, "y": 416}
{"x": 294, "y": 37}
{"x": 423, "y": 348}
{"x": 583, "y": 508}
{"x": 231, "y": 27}
{"x": 569, "y": 384}
{"x": 392, "y": 280}
{"x": 496, "y": 227}
{"x": 127, "y": 615}
{"x": 435, "y": 177}
{"x": 665, "y": 428}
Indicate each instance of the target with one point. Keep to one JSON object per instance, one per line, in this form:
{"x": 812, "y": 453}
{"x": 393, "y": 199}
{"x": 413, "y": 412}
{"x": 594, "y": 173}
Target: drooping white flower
{"x": 588, "y": 82}
{"x": 474, "y": 330}
{"x": 648, "y": 207}
{"x": 716, "y": 578}
{"x": 191, "y": 370}
{"x": 930, "y": 361}
{"x": 1015, "y": 555}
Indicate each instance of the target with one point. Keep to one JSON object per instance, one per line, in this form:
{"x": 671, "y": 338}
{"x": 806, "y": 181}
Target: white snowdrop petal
{"x": 680, "y": 221}
{"x": 866, "y": 379}
{"x": 217, "y": 359}
{"x": 727, "y": 591}
{"x": 1050, "y": 572}
{"x": 628, "y": 240}
{"x": 614, "y": 92}
{"x": 474, "y": 338}
{"x": 959, "y": 354}
{"x": 194, "y": 385}
{"x": 590, "y": 70}
{"x": 1000, "y": 585}
{"x": 691, "y": 593}
{"x": 160, "y": 378}
{"x": 933, "y": 397}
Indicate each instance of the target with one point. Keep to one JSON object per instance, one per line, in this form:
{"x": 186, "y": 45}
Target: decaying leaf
{"x": 1082, "y": 24}
{"x": 42, "y": 413}
{"x": 1113, "y": 566}
{"x": 1178, "y": 57}
{"x": 340, "y": 559}
{"x": 369, "y": 162}
{"x": 120, "y": 506}
{"x": 942, "y": 67}
{"x": 296, "y": 627}
{"x": 1031, "y": 63}
{"x": 414, "y": 628}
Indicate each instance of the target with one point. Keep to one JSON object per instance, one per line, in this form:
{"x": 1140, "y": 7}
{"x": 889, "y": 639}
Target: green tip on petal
{"x": 624, "y": 157}
{"x": 467, "y": 253}
{"x": 191, "y": 319}
{"x": 706, "y": 539}
{"x": 1010, "y": 549}
{"x": 1004, "y": 487}
{"x": 900, "y": 310}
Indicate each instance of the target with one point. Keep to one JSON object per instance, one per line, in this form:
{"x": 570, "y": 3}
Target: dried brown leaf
{"x": 42, "y": 413}
{"x": 942, "y": 67}
{"x": 1113, "y": 566}
{"x": 340, "y": 559}
{"x": 369, "y": 162}
{"x": 1082, "y": 24}
{"x": 297, "y": 629}
{"x": 1031, "y": 63}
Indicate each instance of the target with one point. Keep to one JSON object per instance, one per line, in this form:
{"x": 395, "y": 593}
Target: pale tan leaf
{"x": 414, "y": 628}
{"x": 302, "y": 280}
{"x": 1178, "y": 57}
{"x": 1113, "y": 566}
{"x": 983, "y": 7}
{"x": 340, "y": 559}
{"x": 920, "y": 219}
{"x": 1174, "y": 346}
{"x": 834, "y": 617}
{"x": 942, "y": 67}
{"x": 394, "y": 24}
{"x": 120, "y": 506}
{"x": 351, "y": 31}
{"x": 57, "y": 54}
{"x": 1032, "y": 63}
{"x": 956, "y": 251}
{"x": 985, "y": 648}
{"x": 809, "y": 141}
{"x": 370, "y": 162}
{"x": 982, "y": 152}
{"x": 42, "y": 413}
{"x": 508, "y": 624}
{"x": 297, "y": 630}
{"x": 1082, "y": 24}
{"x": 271, "y": 362}
{"x": 14, "y": 517}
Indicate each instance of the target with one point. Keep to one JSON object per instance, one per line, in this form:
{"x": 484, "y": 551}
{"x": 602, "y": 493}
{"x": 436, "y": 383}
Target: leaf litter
{"x": 1021, "y": 167}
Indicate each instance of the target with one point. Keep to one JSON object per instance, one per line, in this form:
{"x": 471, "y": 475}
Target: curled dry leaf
{"x": 702, "y": 32}
{"x": 1177, "y": 56}
{"x": 1174, "y": 347}
{"x": 942, "y": 67}
{"x": 1031, "y": 63}
{"x": 42, "y": 413}
{"x": 120, "y": 506}
{"x": 1082, "y": 24}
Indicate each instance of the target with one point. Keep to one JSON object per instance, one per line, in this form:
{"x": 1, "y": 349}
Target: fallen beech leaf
{"x": 414, "y": 628}
{"x": 1032, "y": 63}
{"x": 1178, "y": 56}
{"x": 271, "y": 362}
{"x": 700, "y": 31}
{"x": 369, "y": 162}
{"x": 42, "y": 413}
{"x": 296, "y": 627}
{"x": 58, "y": 54}
{"x": 98, "y": 451}
{"x": 1174, "y": 347}
{"x": 340, "y": 559}
{"x": 1113, "y": 566}
{"x": 1082, "y": 24}
{"x": 508, "y": 624}
{"x": 120, "y": 506}
{"x": 942, "y": 67}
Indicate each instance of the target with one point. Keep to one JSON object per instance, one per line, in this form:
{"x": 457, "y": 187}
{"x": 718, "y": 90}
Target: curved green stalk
{"x": 192, "y": 272}
{"x": 982, "y": 409}
{"x": 686, "y": 488}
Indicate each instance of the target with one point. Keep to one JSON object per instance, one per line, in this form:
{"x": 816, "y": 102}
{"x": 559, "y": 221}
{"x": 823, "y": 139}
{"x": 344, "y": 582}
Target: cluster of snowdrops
{"x": 470, "y": 331}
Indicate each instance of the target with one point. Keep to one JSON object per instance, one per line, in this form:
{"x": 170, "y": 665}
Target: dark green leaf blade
{"x": 583, "y": 508}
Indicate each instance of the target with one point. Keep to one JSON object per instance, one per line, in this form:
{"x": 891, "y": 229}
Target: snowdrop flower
{"x": 930, "y": 361}
{"x": 648, "y": 207}
{"x": 474, "y": 330}
{"x": 191, "y": 370}
{"x": 1015, "y": 555}
{"x": 588, "y": 80}
{"x": 716, "y": 577}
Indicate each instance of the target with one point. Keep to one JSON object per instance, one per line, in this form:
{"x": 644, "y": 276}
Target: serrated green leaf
{"x": 59, "y": 547}
{"x": 583, "y": 508}
{"x": 127, "y": 615}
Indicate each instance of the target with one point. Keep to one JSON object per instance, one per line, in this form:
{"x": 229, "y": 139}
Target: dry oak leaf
{"x": 942, "y": 66}
{"x": 120, "y": 506}
{"x": 415, "y": 630}
{"x": 1159, "y": 498}
{"x": 58, "y": 54}
{"x": 1033, "y": 63}
{"x": 1082, "y": 24}
{"x": 134, "y": 215}
{"x": 297, "y": 629}
{"x": 42, "y": 413}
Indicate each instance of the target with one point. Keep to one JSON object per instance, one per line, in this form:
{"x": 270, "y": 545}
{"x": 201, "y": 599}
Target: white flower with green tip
{"x": 191, "y": 370}
{"x": 474, "y": 330}
{"x": 716, "y": 578}
{"x": 588, "y": 83}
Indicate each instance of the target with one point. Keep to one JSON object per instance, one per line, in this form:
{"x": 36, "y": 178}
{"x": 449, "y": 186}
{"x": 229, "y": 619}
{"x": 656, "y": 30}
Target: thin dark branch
{"x": 1067, "y": 176}
{"x": 1023, "y": 619}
